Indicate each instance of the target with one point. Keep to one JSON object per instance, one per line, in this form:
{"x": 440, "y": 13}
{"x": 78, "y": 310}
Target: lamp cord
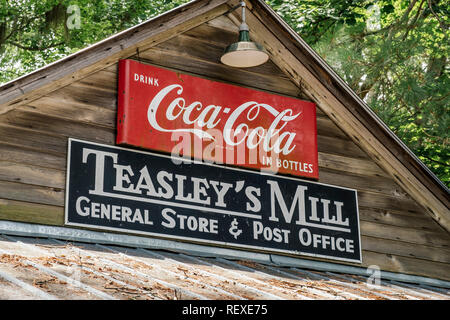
{"x": 243, "y": 11}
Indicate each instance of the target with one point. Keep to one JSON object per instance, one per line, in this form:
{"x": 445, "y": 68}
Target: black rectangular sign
{"x": 119, "y": 189}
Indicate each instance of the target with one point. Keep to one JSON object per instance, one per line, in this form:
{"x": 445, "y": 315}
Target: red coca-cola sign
{"x": 176, "y": 113}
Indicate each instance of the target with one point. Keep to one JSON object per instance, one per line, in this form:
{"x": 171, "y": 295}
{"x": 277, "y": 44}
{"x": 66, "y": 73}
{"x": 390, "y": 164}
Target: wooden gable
{"x": 401, "y": 230}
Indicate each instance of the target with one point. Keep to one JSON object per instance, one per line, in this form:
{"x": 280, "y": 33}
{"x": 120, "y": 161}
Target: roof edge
{"x": 89, "y": 236}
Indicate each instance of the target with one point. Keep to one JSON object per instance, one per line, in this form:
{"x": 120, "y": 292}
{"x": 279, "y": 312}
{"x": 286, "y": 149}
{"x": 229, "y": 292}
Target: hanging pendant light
{"x": 244, "y": 53}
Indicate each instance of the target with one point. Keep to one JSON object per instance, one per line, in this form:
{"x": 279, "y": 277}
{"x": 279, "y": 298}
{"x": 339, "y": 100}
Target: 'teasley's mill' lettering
{"x": 165, "y": 185}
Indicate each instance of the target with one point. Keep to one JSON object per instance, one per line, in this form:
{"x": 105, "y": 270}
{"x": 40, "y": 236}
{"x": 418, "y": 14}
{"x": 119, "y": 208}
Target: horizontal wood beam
{"x": 31, "y": 212}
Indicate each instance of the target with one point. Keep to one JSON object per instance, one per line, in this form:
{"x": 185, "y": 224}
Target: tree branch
{"x": 406, "y": 14}
{"x": 317, "y": 37}
{"x": 441, "y": 23}
{"x": 435, "y": 161}
{"x": 412, "y": 25}
{"x": 18, "y": 45}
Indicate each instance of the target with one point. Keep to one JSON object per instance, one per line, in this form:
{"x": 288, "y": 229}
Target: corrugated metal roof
{"x": 38, "y": 268}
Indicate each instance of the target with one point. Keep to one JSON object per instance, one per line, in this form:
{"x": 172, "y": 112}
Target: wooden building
{"x": 403, "y": 208}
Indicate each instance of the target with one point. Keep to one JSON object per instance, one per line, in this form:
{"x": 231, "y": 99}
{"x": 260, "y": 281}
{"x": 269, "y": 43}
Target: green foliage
{"x": 393, "y": 53}
{"x": 34, "y": 33}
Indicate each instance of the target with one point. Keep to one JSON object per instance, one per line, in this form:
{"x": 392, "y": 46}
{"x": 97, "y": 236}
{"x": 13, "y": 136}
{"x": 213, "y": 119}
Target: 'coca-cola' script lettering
{"x": 209, "y": 117}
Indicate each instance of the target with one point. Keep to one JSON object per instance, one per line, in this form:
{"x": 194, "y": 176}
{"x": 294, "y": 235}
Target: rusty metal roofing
{"x": 47, "y": 268}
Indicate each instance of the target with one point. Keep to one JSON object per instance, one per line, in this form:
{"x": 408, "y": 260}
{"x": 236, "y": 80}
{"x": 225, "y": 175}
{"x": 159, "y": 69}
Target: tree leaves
{"x": 394, "y": 54}
{"x": 35, "y": 32}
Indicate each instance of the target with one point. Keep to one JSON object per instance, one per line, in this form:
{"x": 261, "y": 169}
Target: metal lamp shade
{"x": 244, "y": 53}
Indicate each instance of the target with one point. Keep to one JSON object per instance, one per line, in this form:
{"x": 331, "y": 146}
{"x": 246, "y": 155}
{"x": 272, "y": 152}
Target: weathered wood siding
{"x": 397, "y": 234}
